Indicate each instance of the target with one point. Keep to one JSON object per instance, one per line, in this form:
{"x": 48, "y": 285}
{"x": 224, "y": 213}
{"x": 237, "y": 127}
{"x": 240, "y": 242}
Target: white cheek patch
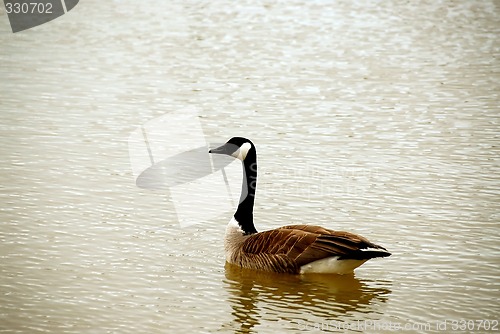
{"x": 242, "y": 152}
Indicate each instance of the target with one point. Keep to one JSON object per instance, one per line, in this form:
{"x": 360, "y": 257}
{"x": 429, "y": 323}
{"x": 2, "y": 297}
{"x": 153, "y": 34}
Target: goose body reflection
{"x": 289, "y": 249}
{"x": 258, "y": 296}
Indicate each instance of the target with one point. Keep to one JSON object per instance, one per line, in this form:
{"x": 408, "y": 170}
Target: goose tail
{"x": 365, "y": 254}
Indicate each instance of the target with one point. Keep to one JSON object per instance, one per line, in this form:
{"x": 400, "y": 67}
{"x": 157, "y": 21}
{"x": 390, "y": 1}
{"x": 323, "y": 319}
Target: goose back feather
{"x": 290, "y": 249}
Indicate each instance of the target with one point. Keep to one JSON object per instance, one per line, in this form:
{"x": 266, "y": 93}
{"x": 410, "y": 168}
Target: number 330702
{"x": 29, "y": 8}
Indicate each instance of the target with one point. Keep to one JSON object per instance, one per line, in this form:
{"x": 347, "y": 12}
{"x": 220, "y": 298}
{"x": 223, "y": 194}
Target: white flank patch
{"x": 331, "y": 265}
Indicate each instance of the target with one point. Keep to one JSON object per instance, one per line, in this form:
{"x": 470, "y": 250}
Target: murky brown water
{"x": 380, "y": 118}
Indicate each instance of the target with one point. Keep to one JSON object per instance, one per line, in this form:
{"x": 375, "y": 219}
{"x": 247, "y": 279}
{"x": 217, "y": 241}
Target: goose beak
{"x": 219, "y": 150}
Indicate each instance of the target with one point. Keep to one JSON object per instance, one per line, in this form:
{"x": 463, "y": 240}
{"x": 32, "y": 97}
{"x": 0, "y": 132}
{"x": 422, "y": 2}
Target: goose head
{"x": 237, "y": 147}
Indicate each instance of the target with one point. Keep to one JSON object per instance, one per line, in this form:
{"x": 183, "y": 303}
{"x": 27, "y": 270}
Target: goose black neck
{"x": 244, "y": 213}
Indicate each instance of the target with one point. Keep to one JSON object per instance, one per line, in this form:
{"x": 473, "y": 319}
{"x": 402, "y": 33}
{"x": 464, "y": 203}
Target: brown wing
{"x": 356, "y": 241}
{"x": 297, "y": 245}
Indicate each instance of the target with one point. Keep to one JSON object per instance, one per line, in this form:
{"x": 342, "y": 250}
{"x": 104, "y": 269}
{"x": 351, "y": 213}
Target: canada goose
{"x": 289, "y": 249}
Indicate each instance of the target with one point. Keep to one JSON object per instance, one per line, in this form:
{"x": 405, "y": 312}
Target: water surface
{"x": 377, "y": 118}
